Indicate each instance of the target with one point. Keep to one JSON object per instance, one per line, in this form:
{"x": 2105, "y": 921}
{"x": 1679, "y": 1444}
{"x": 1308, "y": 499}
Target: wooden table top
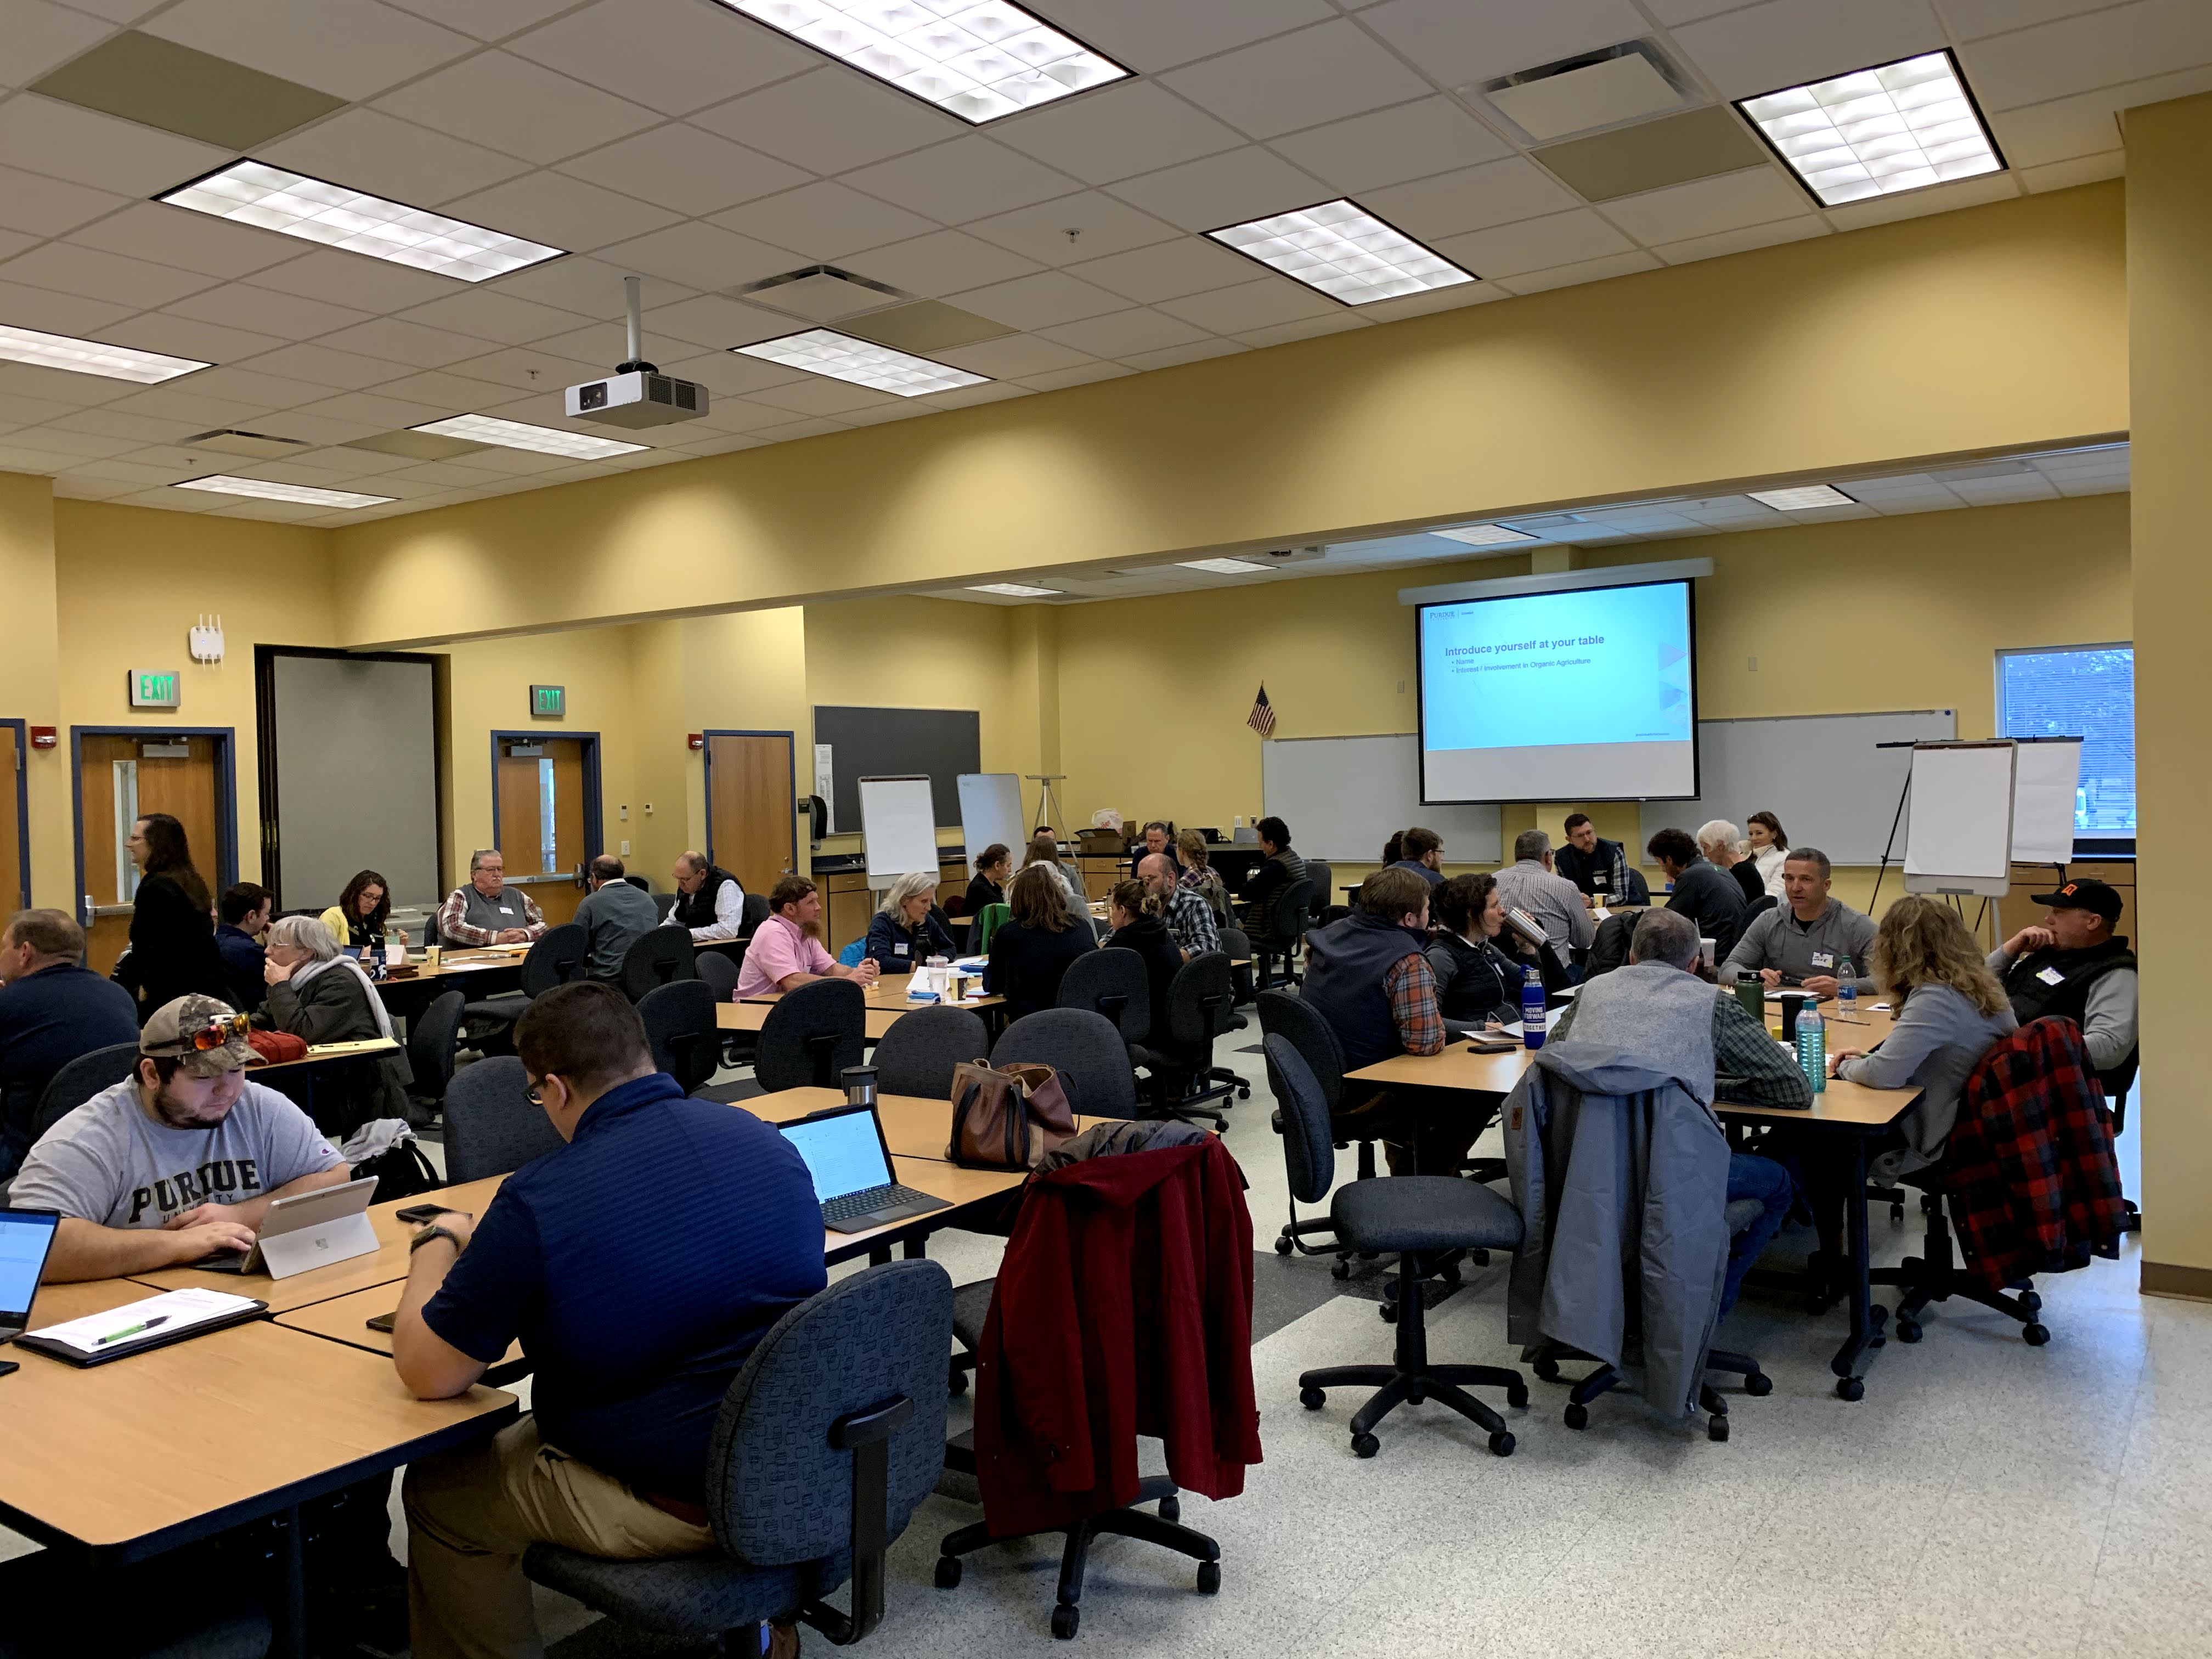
{"x": 752, "y": 1016}
{"x": 323, "y": 1051}
{"x": 888, "y": 995}
{"x": 345, "y": 1319}
{"x": 916, "y": 1127}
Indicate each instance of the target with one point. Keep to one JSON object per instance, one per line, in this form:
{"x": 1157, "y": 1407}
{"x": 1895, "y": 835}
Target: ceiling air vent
{"x": 259, "y": 445}
{"x": 1632, "y": 81}
{"x": 820, "y": 293}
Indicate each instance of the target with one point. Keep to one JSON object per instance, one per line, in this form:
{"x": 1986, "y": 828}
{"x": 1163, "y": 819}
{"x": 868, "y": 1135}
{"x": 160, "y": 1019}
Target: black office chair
{"x": 1322, "y": 875}
{"x": 639, "y": 881}
{"x": 1084, "y": 1048}
{"x": 1237, "y": 946}
{"x": 1181, "y": 1058}
{"x": 1413, "y": 1216}
{"x": 679, "y": 1023}
{"x": 811, "y": 1034}
{"x": 80, "y": 1079}
{"x": 491, "y": 1127}
{"x": 664, "y": 903}
{"x": 718, "y": 973}
{"x": 1296, "y": 1021}
{"x": 918, "y": 1055}
{"x": 659, "y": 956}
{"x": 1286, "y": 926}
{"x": 1112, "y": 983}
{"x": 827, "y": 1443}
{"x": 557, "y": 956}
{"x": 432, "y": 1037}
{"x": 754, "y": 913}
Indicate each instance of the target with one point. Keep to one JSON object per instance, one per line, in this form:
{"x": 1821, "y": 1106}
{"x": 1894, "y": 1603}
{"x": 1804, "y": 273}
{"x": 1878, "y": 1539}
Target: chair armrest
{"x": 866, "y": 1435}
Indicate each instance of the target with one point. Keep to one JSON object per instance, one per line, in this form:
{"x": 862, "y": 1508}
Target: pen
{"x": 117, "y": 1336}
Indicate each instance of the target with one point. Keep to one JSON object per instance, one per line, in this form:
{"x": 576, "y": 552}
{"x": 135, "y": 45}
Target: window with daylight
{"x": 2087, "y": 691}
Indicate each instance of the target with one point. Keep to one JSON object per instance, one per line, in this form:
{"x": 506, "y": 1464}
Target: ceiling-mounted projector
{"x": 637, "y": 393}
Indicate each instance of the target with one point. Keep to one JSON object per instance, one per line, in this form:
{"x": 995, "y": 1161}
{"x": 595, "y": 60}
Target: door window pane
{"x": 2085, "y": 691}
{"x": 126, "y": 816}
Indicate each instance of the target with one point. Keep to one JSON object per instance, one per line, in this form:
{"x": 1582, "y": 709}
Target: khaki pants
{"x": 471, "y": 1514}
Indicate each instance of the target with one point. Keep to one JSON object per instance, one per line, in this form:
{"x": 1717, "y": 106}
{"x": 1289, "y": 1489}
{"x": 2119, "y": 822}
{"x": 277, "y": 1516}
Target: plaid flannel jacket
{"x": 2034, "y": 1186}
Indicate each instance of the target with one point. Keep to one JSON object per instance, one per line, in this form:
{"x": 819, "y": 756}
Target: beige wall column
{"x": 30, "y": 676}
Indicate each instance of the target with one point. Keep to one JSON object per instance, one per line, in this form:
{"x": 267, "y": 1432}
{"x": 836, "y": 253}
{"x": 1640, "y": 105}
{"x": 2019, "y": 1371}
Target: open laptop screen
{"x": 844, "y": 1149}
{"x": 26, "y": 1236}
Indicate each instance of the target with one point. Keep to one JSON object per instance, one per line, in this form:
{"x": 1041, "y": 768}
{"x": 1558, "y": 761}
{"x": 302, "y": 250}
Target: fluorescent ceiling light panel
{"x": 255, "y": 193}
{"x": 1802, "y": 498}
{"x": 1345, "y": 250}
{"x": 1222, "y": 567}
{"x": 1015, "y": 591}
{"x": 1484, "y": 535}
{"x": 980, "y": 60}
{"x": 28, "y": 346}
{"x": 861, "y": 362}
{"x": 1902, "y": 126}
{"x": 519, "y": 434}
{"x": 222, "y": 484}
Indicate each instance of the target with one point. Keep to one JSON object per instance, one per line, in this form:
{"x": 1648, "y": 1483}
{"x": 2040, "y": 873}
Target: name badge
{"x": 898, "y": 950}
{"x": 2052, "y": 976}
{"x": 1601, "y": 881}
{"x": 1824, "y": 958}
{"x": 507, "y": 909}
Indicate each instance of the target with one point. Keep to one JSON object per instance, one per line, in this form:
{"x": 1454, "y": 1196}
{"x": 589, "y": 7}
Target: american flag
{"x": 1262, "y": 717}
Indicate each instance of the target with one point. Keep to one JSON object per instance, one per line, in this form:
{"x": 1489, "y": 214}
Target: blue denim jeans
{"x": 1764, "y": 1179}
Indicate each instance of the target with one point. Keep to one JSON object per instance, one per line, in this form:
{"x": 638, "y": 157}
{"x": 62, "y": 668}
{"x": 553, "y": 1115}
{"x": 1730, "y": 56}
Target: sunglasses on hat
{"x": 215, "y": 1034}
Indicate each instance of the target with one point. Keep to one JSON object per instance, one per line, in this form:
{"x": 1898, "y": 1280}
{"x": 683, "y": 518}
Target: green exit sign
{"x": 549, "y": 702}
{"x": 154, "y": 688}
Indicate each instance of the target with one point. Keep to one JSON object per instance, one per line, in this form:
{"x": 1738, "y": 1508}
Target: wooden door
{"x": 13, "y": 897}
{"x": 752, "y": 828}
{"x": 121, "y": 778}
{"x": 541, "y": 821}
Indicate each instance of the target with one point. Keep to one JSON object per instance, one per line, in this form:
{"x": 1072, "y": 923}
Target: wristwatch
{"x": 431, "y": 1232}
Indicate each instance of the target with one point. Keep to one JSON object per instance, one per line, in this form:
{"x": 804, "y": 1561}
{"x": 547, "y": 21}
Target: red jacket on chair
{"x": 1123, "y": 1307}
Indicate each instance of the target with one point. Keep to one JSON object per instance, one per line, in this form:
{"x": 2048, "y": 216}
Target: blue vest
{"x": 1346, "y": 962}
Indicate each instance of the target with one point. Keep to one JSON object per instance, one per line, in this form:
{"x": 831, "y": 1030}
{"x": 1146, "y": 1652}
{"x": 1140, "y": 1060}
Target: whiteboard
{"x": 1821, "y": 774}
{"x": 2045, "y": 778}
{"x": 1957, "y": 836}
{"x": 898, "y": 827}
{"x": 990, "y": 810}
{"x": 1344, "y": 797}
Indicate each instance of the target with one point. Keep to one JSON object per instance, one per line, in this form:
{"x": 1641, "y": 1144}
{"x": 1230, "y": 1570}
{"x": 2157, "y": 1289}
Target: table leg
{"x": 917, "y": 1249}
{"x": 1866, "y": 1319}
{"x": 291, "y": 1620}
{"x": 878, "y": 1254}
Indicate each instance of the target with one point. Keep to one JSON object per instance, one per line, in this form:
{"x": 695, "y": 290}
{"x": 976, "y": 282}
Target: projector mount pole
{"x": 630, "y": 306}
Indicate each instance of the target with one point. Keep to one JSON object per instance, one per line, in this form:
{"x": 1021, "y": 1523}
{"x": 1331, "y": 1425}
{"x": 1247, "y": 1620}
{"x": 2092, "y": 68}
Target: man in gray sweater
{"x": 612, "y": 916}
{"x": 1807, "y": 942}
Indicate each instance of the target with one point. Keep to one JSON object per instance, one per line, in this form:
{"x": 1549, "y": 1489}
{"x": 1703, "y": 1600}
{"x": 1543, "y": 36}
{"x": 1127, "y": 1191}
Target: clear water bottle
{"x": 1847, "y": 990}
{"x": 1812, "y": 1047}
{"x": 1532, "y": 1009}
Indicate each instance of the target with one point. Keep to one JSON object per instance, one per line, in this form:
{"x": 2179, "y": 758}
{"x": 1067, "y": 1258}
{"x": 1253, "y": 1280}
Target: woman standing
{"x": 1769, "y": 847}
{"x": 173, "y": 950}
{"x": 320, "y": 995}
{"x": 907, "y": 931}
{"x": 357, "y": 922}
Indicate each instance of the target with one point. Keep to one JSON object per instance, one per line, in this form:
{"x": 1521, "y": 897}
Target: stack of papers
{"x": 157, "y": 1319}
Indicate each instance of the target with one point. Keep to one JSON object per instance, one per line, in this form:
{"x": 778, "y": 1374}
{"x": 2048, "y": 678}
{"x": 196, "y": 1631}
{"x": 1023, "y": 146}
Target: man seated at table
{"x": 1658, "y": 1006}
{"x": 1158, "y": 837}
{"x": 1600, "y": 867}
{"x": 53, "y": 1009}
{"x": 177, "y": 1164}
{"x": 1189, "y": 917}
{"x": 1807, "y": 941}
{"x": 1529, "y": 884}
{"x": 2075, "y": 967}
{"x": 709, "y": 900}
{"x": 613, "y": 916}
{"x": 1709, "y": 898}
{"x": 484, "y": 912}
{"x": 242, "y": 917}
{"x": 1280, "y": 867}
{"x": 634, "y": 1332}
{"x": 786, "y": 951}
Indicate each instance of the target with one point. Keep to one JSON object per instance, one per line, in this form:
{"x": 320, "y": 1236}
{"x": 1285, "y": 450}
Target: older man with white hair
{"x": 1725, "y": 849}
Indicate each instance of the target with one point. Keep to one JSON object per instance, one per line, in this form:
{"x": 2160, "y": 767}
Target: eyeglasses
{"x": 535, "y": 1094}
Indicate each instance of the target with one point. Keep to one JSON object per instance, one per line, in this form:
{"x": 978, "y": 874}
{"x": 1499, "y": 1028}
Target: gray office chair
{"x": 1112, "y": 983}
{"x": 641, "y": 882}
{"x": 679, "y": 1023}
{"x": 811, "y": 1034}
{"x": 827, "y": 1443}
{"x": 491, "y": 1127}
{"x": 1237, "y": 946}
{"x": 1413, "y": 1216}
{"x": 718, "y": 973}
{"x": 754, "y": 914}
{"x": 665, "y": 902}
{"x": 1181, "y": 1058}
{"x": 432, "y": 1037}
{"x": 659, "y": 955}
{"x": 917, "y": 1055}
{"x": 80, "y": 1079}
{"x": 1286, "y": 926}
{"x": 1084, "y": 1048}
{"x": 556, "y": 957}
{"x": 1296, "y": 1021}
{"x": 1322, "y": 875}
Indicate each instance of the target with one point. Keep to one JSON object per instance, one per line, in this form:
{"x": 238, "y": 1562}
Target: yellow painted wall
{"x": 742, "y": 673}
{"x": 1991, "y": 327}
{"x": 29, "y": 689}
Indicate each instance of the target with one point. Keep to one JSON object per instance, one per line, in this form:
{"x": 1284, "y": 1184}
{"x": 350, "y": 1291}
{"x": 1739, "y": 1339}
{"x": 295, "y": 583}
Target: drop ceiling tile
{"x": 1558, "y": 239}
{"x": 1020, "y": 358}
{"x": 1300, "y": 80}
{"x": 1115, "y": 131}
{"x": 681, "y": 167}
{"x": 90, "y": 148}
{"x": 991, "y": 392}
{"x": 366, "y": 149}
{"x": 516, "y": 106}
{"x": 1390, "y": 146}
{"x": 1158, "y": 34}
{"x": 713, "y": 321}
{"x": 1222, "y": 190}
{"x": 136, "y": 473}
{"x": 39, "y": 206}
{"x": 172, "y": 236}
{"x": 824, "y": 220}
{"x": 1460, "y": 40}
{"x": 533, "y": 369}
{"x": 2091, "y": 484}
{"x": 487, "y": 313}
{"x": 1918, "y": 204}
{"x": 404, "y": 343}
{"x": 2082, "y": 170}
{"x": 673, "y": 56}
{"x": 1175, "y": 357}
{"x": 1722, "y": 243}
{"x": 72, "y": 487}
{"x": 17, "y": 409}
{"x": 817, "y": 395}
{"x": 337, "y": 277}
{"x": 1123, "y": 333}
{"x": 828, "y": 121}
{"x": 189, "y": 336}
{"x": 1340, "y": 322}
{"x": 85, "y": 445}
{"x": 788, "y": 431}
{"x": 1472, "y": 198}
{"x": 461, "y": 393}
{"x": 1994, "y": 492}
{"x": 39, "y": 36}
{"x": 945, "y": 261}
{"x": 589, "y": 287}
{"x": 353, "y": 48}
{"x": 487, "y": 20}
{"x": 1706, "y": 207}
{"x": 140, "y": 429}
{"x": 561, "y": 212}
{"x": 1455, "y": 298}
{"x": 970, "y": 177}
{"x": 13, "y": 242}
{"x": 1248, "y": 306}
{"x": 1060, "y": 379}
{"x": 265, "y": 311}
{"x": 1671, "y": 12}
{"x": 2100, "y": 48}
{"x": 96, "y": 275}
{"x": 328, "y": 367}
{"x": 1785, "y": 43}
{"x": 250, "y": 385}
{"x": 382, "y": 413}
{"x": 1167, "y": 270}
{"x": 1049, "y": 298}
{"x": 701, "y": 256}
{"x": 180, "y": 402}
{"x": 1580, "y": 271}
{"x": 1102, "y": 226}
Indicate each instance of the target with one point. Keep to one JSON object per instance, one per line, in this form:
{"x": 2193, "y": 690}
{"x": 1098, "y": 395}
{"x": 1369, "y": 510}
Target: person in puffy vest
{"x": 2075, "y": 967}
{"x": 709, "y": 900}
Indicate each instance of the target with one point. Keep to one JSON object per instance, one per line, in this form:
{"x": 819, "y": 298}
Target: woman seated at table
{"x": 1134, "y": 912}
{"x": 320, "y": 995}
{"x": 358, "y": 921}
{"x": 1029, "y": 953}
{"x": 988, "y": 884}
{"x": 1190, "y": 853}
{"x": 908, "y": 930}
{"x": 1476, "y": 980}
{"x": 1043, "y": 853}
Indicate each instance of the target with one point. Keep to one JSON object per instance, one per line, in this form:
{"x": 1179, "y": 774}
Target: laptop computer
{"x": 316, "y": 1213}
{"x": 851, "y": 1163}
{"x": 26, "y": 1237}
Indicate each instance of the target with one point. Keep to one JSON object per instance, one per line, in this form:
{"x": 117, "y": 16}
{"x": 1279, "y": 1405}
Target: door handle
{"x": 86, "y": 909}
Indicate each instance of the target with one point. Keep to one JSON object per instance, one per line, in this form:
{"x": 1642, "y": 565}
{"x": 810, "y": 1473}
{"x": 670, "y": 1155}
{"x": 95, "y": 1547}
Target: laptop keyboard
{"x": 870, "y": 1197}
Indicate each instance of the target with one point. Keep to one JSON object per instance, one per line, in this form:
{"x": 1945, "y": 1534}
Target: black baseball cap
{"x": 2091, "y": 895}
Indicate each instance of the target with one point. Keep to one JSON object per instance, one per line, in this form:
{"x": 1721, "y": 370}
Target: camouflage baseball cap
{"x": 205, "y": 1032}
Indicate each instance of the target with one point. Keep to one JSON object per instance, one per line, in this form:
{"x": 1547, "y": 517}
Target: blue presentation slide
{"x": 1559, "y": 696}
{"x": 843, "y": 1153}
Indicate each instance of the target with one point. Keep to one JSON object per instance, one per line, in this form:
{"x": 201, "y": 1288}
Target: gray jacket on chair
{"x": 1620, "y": 1173}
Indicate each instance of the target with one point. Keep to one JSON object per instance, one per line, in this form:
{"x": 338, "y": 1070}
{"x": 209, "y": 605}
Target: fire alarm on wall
{"x": 696, "y": 740}
{"x": 45, "y": 737}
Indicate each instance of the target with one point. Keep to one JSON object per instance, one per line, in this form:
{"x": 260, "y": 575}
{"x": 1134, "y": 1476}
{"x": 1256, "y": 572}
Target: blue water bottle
{"x": 1812, "y": 1048}
{"x": 1532, "y": 1009}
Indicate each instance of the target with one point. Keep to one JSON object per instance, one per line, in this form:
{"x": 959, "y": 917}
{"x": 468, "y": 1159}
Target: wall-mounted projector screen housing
{"x": 1588, "y": 694}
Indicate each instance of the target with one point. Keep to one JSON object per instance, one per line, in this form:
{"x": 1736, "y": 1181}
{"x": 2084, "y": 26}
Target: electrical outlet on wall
{"x": 625, "y": 811}
{"x": 1752, "y": 664}
{"x": 625, "y": 846}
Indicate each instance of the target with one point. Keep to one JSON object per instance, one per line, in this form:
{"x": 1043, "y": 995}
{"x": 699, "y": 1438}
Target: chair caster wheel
{"x": 1850, "y": 1387}
{"x": 1501, "y": 1442}
{"x": 1209, "y": 1578}
{"x": 1243, "y": 1092}
{"x": 1171, "y": 1507}
{"x": 1341, "y": 1269}
{"x": 1389, "y": 1312}
{"x": 1577, "y": 1416}
{"x": 1283, "y": 1247}
{"x": 1451, "y": 1275}
{"x": 1064, "y": 1621}
{"x": 1717, "y": 1429}
{"x": 1365, "y": 1445}
{"x": 1908, "y": 1330}
{"x": 2035, "y": 1335}
{"x": 1897, "y": 1215}
{"x": 1547, "y": 1367}
{"x": 948, "y": 1572}
{"x": 955, "y": 1383}
{"x": 1517, "y": 1398}
{"x": 1758, "y": 1385}
{"x": 1312, "y": 1398}
{"x": 2030, "y": 1302}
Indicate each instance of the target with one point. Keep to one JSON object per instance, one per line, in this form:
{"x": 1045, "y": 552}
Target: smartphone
{"x": 385, "y": 1322}
{"x": 416, "y": 1214}
{"x": 8, "y": 1366}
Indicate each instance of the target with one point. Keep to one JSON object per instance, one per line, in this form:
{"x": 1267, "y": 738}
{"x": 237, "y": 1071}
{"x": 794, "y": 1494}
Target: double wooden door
{"x": 121, "y": 778}
{"x": 544, "y": 785}
{"x": 752, "y": 812}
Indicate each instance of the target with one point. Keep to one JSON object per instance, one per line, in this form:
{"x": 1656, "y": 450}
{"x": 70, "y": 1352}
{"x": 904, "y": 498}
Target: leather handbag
{"x": 1007, "y": 1117}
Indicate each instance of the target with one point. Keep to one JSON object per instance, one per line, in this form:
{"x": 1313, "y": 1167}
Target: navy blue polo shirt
{"x": 46, "y": 1020}
{"x": 639, "y": 1265}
